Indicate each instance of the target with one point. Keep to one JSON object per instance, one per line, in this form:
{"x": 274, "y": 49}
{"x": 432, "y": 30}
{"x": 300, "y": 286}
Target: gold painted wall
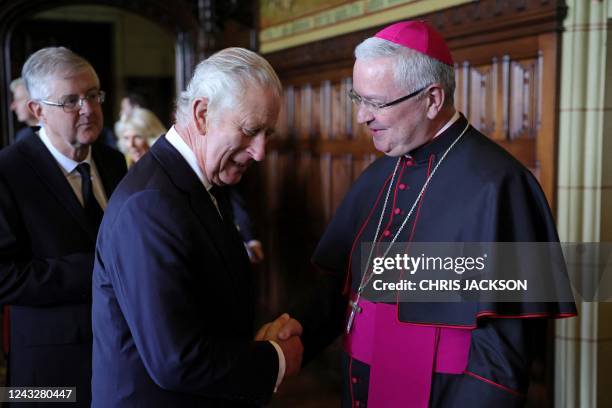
{"x": 288, "y": 23}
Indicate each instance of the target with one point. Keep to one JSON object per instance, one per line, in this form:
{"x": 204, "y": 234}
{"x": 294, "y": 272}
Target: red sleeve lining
{"x": 486, "y": 380}
{"x": 525, "y": 315}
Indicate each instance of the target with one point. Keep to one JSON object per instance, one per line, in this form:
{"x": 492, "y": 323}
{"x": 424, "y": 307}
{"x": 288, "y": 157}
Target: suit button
{"x": 354, "y": 380}
{"x": 386, "y": 233}
{"x": 410, "y": 162}
{"x": 402, "y": 186}
{"x": 397, "y": 211}
{"x": 357, "y": 404}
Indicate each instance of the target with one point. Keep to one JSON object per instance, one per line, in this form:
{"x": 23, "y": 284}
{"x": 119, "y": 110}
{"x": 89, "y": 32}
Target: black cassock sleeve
{"x": 503, "y": 348}
{"x": 497, "y": 374}
{"x": 322, "y": 312}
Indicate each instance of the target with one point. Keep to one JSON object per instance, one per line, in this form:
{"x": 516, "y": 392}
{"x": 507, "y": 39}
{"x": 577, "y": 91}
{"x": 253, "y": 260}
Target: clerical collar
{"x": 448, "y": 124}
{"x": 441, "y": 141}
{"x": 184, "y": 150}
{"x": 64, "y": 161}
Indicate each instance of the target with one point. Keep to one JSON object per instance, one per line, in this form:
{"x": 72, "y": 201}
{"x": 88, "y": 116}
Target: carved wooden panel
{"x": 502, "y": 99}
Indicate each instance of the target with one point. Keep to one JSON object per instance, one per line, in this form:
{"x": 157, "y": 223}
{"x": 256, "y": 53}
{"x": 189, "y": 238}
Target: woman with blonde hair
{"x": 137, "y": 132}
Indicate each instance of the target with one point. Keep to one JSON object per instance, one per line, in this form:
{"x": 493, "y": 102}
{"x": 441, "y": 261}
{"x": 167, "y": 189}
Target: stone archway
{"x": 177, "y": 17}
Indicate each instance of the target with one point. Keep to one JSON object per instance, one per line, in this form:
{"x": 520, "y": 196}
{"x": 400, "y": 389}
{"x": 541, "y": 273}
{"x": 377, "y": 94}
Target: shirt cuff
{"x": 281, "y": 364}
{"x": 253, "y": 242}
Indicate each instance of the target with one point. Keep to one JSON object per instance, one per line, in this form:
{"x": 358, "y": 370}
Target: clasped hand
{"x": 286, "y": 332}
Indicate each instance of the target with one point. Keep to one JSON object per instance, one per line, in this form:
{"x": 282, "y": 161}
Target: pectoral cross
{"x": 354, "y": 310}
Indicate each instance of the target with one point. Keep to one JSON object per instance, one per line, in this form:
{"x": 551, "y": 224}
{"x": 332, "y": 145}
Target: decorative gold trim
{"x": 344, "y": 19}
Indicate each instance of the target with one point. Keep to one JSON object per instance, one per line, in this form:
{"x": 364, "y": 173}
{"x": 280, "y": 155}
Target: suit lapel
{"x": 219, "y": 230}
{"x": 49, "y": 172}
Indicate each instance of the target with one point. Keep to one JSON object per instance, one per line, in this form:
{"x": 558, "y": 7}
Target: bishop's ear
{"x": 435, "y": 100}
{"x": 200, "y": 112}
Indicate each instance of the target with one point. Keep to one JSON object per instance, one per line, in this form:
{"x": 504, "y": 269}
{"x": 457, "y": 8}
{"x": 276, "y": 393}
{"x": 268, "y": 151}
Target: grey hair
{"x": 412, "y": 70}
{"x": 48, "y": 63}
{"x": 222, "y": 79}
{"x": 15, "y": 83}
{"x": 143, "y": 122}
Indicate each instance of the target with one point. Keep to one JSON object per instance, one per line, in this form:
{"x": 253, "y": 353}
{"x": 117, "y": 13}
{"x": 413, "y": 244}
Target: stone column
{"x": 583, "y": 345}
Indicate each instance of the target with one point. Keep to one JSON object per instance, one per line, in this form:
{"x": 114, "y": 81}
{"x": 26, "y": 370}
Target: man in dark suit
{"x": 172, "y": 294}
{"x": 54, "y": 186}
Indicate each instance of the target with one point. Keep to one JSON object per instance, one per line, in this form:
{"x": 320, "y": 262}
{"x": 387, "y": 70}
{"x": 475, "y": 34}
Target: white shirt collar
{"x": 448, "y": 124}
{"x": 65, "y": 162}
{"x": 184, "y": 150}
{"x": 452, "y": 120}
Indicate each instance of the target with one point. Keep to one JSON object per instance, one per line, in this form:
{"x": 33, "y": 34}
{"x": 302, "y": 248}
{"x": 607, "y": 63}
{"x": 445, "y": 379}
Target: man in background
{"x": 19, "y": 105}
{"x": 54, "y": 186}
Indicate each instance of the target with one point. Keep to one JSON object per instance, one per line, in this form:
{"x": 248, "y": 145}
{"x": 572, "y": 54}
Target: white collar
{"x": 65, "y": 162}
{"x": 452, "y": 120}
{"x": 448, "y": 124}
{"x": 184, "y": 150}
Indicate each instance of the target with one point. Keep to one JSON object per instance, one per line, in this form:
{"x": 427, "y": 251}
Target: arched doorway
{"x": 177, "y": 18}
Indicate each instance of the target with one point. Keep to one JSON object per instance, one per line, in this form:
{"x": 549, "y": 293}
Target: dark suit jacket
{"x": 46, "y": 262}
{"x": 172, "y": 297}
{"x": 25, "y": 132}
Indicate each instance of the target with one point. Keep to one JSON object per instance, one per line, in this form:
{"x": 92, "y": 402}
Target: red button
{"x": 397, "y": 211}
{"x": 354, "y": 380}
{"x": 356, "y": 403}
{"x": 409, "y": 162}
{"x": 402, "y": 186}
{"x": 386, "y": 233}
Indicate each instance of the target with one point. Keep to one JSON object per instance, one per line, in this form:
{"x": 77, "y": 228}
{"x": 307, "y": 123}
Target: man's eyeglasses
{"x": 374, "y": 106}
{"x": 73, "y": 103}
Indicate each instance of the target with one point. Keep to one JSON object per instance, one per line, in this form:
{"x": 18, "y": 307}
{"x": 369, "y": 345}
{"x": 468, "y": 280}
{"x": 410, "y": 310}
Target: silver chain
{"x": 364, "y": 282}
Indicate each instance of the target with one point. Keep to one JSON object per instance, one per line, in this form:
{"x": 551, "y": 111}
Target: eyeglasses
{"x": 374, "y": 106}
{"x": 73, "y": 103}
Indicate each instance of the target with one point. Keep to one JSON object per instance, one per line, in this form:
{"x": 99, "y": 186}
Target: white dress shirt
{"x": 185, "y": 151}
{"x": 68, "y": 167}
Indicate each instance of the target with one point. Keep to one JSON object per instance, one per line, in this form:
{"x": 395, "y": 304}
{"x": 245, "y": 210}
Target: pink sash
{"x": 403, "y": 356}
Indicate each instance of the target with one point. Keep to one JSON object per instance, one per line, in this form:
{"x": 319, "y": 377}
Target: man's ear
{"x": 36, "y": 109}
{"x": 200, "y": 112}
{"x": 435, "y": 100}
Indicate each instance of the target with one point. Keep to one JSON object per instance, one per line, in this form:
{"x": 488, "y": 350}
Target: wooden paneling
{"x": 502, "y": 99}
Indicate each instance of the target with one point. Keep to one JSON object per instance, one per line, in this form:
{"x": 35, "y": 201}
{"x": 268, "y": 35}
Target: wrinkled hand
{"x": 282, "y": 328}
{"x": 285, "y": 331}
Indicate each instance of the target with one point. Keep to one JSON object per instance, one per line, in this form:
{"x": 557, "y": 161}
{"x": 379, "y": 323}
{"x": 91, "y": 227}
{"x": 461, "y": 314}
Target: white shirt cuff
{"x": 254, "y": 242}
{"x": 281, "y": 364}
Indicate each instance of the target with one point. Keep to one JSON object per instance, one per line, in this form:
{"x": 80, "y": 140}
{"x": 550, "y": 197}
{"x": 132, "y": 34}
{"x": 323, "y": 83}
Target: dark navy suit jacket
{"x": 46, "y": 261}
{"x": 172, "y": 297}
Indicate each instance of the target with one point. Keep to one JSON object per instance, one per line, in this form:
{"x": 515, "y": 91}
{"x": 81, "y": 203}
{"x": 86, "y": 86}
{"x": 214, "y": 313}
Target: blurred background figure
{"x": 129, "y": 102}
{"x": 245, "y": 225}
{"x": 19, "y": 105}
{"x": 137, "y": 131}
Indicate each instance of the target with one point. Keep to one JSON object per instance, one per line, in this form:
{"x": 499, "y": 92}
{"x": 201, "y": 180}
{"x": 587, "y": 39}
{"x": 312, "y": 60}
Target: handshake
{"x": 286, "y": 332}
